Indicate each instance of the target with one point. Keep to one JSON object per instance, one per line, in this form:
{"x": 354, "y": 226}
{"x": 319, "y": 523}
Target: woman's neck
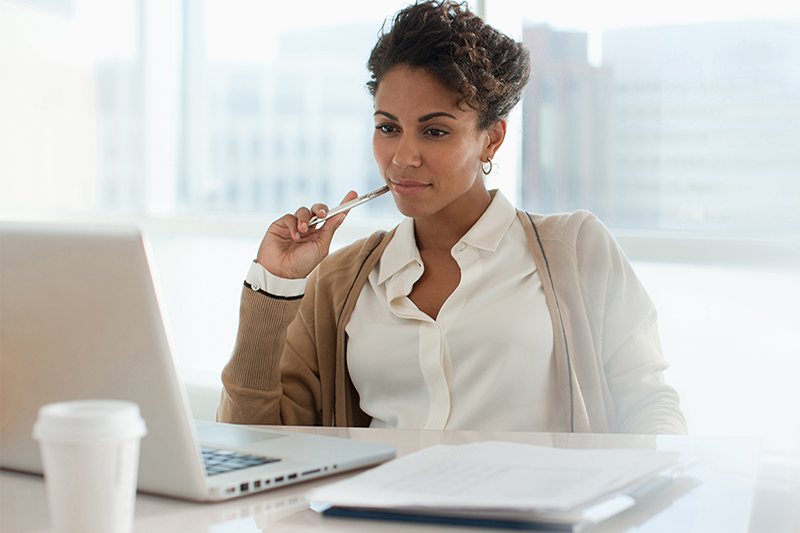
{"x": 442, "y": 230}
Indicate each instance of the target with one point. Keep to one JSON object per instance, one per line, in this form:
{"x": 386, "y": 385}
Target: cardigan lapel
{"x": 346, "y": 410}
{"x": 576, "y": 414}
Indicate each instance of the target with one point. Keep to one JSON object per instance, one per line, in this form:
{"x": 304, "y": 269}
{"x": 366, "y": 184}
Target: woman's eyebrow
{"x": 423, "y": 118}
{"x": 429, "y": 116}
{"x": 387, "y": 115}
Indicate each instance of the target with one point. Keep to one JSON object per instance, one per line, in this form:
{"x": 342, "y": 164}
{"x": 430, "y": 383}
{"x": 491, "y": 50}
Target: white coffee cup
{"x": 90, "y": 458}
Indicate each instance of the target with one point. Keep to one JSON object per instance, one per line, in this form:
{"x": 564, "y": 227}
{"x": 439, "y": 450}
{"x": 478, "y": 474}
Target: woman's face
{"x": 428, "y": 149}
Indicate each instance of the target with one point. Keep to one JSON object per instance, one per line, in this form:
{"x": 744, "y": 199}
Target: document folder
{"x": 500, "y": 484}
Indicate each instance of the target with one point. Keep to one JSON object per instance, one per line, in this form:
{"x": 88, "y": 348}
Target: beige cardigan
{"x": 288, "y": 364}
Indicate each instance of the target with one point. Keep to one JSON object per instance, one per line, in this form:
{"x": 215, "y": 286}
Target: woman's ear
{"x": 496, "y": 134}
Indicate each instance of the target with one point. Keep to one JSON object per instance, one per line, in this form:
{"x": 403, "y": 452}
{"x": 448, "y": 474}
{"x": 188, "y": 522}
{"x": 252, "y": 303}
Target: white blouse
{"x": 485, "y": 363}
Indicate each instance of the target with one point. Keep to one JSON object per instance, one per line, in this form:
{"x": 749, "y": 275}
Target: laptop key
{"x": 221, "y": 461}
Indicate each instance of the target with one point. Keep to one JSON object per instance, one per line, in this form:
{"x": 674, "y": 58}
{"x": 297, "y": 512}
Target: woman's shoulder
{"x": 575, "y": 229}
{"x": 578, "y": 244}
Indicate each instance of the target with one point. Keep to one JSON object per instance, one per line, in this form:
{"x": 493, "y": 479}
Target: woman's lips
{"x": 407, "y": 187}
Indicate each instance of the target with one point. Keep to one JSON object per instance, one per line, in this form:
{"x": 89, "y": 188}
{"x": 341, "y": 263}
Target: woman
{"x": 469, "y": 314}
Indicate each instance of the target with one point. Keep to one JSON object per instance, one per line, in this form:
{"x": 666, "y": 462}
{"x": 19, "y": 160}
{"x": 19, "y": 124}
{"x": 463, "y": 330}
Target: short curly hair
{"x": 487, "y": 69}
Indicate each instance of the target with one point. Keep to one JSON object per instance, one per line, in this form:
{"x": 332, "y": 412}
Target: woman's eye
{"x": 385, "y": 128}
{"x": 436, "y": 133}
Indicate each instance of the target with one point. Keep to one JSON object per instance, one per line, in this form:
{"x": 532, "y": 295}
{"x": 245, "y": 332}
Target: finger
{"x": 319, "y": 210}
{"x": 352, "y": 195}
{"x": 333, "y": 223}
{"x": 303, "y": 215}
{"x": 289, "y": 223}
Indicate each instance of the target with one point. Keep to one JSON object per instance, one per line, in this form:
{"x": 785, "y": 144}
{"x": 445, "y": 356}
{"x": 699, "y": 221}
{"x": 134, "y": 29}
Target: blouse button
{"x": 256, "y": 287}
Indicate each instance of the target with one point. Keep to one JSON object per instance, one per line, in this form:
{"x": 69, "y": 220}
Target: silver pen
{"x": 349, "y": 205}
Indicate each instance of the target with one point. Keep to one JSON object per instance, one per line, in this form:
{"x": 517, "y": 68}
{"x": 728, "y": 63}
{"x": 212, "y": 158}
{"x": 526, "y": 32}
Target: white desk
{"x": 736, "y": 488}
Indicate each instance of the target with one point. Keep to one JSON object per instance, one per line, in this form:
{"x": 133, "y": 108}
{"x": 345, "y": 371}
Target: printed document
{"x": 503, "y": 479}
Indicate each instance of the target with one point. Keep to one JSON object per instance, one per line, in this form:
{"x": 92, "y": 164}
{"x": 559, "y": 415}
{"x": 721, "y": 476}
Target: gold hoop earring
{"x": 483, "y": 169}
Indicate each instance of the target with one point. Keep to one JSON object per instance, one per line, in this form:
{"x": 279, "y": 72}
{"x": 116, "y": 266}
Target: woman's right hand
{"x": 291, "y": 249}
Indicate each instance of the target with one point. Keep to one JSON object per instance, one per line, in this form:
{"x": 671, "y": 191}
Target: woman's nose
{"x": 407, "y": 153}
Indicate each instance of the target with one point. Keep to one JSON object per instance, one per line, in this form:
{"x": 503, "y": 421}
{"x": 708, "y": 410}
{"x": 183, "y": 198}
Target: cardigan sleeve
{"x": 624, "y": 319}
{"x": 287, "y": 365}
{"x": 253, "y": 379}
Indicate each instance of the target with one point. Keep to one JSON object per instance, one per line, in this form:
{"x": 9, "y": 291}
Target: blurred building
{"x": 683, "y": 128}
{"x": 568, "y": 127}
{"x": 708, "y": 126}
{"x": 297, "y": 130}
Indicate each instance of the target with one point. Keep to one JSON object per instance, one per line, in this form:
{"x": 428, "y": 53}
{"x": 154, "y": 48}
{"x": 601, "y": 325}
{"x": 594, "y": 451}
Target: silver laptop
{"x": 80, "y": 318}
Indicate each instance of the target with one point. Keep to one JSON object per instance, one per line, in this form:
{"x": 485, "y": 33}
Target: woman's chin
{"x": 410, "y": 210}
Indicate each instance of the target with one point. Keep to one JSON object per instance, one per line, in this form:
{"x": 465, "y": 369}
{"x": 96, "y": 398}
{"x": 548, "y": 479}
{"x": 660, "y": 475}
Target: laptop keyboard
{"x": 222, "y": 461}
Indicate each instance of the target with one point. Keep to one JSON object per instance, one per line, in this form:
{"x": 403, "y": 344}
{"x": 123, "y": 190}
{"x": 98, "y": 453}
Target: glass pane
{"x": 277, "y": 113}
{"x": 70, "y": 102}
{"x": 682, "y": 117}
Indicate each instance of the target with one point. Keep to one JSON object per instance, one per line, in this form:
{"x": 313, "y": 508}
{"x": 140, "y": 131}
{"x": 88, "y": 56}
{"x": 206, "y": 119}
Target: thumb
{"x": 332, "y": 224}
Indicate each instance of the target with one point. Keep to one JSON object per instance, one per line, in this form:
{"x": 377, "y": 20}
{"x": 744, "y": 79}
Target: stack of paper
{"x": 501, "y": 483}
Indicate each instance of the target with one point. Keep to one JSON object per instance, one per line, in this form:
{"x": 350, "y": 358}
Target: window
{"x": 684, "y": 122}
{"x": 296, "y": 88}
{"x": 202, "y": 121}
{"x": 70, "y": 137}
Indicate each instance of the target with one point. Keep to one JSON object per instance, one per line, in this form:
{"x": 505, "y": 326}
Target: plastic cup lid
{"x": 89, "y": 421}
